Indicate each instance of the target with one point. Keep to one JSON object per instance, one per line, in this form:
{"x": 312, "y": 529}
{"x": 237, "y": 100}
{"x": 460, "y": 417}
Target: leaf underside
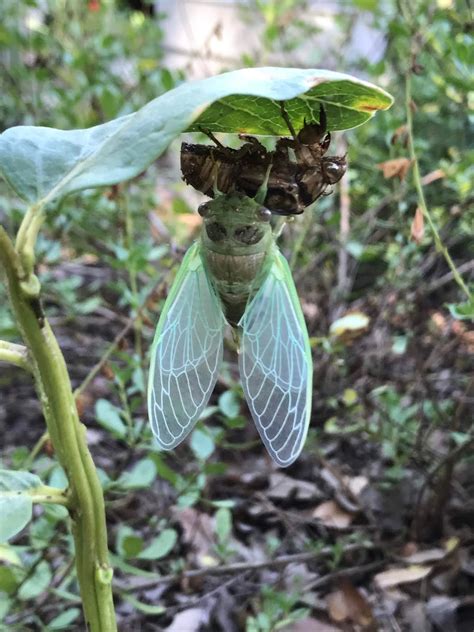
{"x": 42, "y": 164}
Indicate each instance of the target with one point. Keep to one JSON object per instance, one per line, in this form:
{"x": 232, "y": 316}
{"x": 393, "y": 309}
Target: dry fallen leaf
{"x": 198, "y": 533}
{"x": 423, "y": 557}
{"x": 417, "y": 229}
{"x": 356, "y": 484}
{"x": 400, "y": 135}
{"x": 349, "y": 326}
{"x": 397, "y": 576}
{"x": 349, "y": 604}
{"x": 331, "y": 515}
{"x": 432, "y": 176}
{"x": 395, "y": 167}
{"x": 189, "y": 620}
{"x": 282, "y": 486}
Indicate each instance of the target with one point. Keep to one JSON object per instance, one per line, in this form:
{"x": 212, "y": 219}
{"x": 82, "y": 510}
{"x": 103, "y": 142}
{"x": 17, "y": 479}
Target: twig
{"x": 419, "y": 189}
{"x": 241, "y": 567}
{"x": 343, "y": 572}
{"x": 344, "y": 230}
{"x": 447, "y": 278}
{"x": 447, "y": 462}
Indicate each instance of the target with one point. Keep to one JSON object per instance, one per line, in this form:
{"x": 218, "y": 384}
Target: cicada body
{"x": 234, "y": 274}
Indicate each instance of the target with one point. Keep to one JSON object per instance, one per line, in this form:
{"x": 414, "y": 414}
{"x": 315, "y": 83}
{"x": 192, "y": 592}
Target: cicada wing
{"x": 275, "y": 364}
{"x": 186, "y": 354}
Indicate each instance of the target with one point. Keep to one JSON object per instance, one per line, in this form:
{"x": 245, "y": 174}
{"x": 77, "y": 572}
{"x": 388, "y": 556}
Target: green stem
{"x": 14, "y": 354}
{"x": 129, "y": 239}
{"x": 440, "y": 247}
{"x": 26, "y": 237}
{"x": 39, "y": 445}
{"x": 68, "y": 438}
{"x": 45, "y": 495}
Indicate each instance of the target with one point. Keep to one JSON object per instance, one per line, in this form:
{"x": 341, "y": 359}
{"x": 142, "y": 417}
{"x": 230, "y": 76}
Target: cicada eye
{"x": 334, "y": 171}
{"x": 203, "y": 209}
{"x": 264, "y": 214}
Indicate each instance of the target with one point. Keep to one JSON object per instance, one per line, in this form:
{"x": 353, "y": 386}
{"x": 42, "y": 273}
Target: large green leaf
{"x": 16, "y": 504}
{"x": 43, "y": 163}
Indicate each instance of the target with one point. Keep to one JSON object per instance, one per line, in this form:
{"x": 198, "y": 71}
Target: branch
{"x": 241, "y": 567}
{"x": 419, "y": 189}
{"x": 15, "y": 354}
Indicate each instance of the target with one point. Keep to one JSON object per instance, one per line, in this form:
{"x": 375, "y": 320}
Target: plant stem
{"x": 45, "y": 495}
{"x": 39, "y": 445}
{"x": 68, "y": 438}
{"x": 419, "y": 189}
{"x": 14, "y": 354}
{"x": 129, "y": 240}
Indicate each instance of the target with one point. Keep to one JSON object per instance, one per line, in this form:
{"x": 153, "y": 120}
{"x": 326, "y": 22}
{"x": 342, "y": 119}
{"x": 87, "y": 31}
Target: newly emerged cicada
{"x": 234, "y": 274}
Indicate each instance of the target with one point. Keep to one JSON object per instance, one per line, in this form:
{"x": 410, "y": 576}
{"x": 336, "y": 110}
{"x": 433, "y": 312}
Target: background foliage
{"x": 391, "y": 429}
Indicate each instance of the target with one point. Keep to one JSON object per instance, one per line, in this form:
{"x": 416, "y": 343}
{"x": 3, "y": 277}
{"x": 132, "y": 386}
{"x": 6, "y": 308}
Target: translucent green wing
{"x": 275, "y": 364}
{"x": 186, "y": 354}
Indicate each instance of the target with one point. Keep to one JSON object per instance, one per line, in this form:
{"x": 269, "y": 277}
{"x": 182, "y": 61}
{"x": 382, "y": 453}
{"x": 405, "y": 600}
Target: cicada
{"x": 234, "y": 274}
{"x": 299, "y": 172}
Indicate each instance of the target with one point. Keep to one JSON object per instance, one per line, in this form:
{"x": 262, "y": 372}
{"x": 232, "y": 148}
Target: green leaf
{"x": 16, "y": 511}
{"x": 462, "y": 311}
{"x": 129, "y": 544}
{"x": 161, "y": 546}
{"x": 202, "y": 444}
{"x": 229, "y": 404}
{"x": 37, "y": 583}
{"x": 64, "y": 619}
{"x": 9, "y": 580}
{"x": 141, "y": 475}
{"x": 144, "y": 607}
{"x": 108, "y": 416}
{"x": 223, "y": 524}
{"x": 42, "y": 164}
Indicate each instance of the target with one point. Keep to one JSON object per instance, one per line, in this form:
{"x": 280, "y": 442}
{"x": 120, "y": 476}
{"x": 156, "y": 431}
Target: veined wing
{"x": 186, "y": 354}
{"x": 275, "y": 364}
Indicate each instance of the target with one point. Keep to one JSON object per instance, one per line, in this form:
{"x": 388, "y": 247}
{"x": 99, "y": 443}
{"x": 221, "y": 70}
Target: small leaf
{"x": 462, "y": 311}
{"x": 9, "y": 580}
{"x": 144, "y": 607}
{"x": 223, "y": 524}
{"x": 64, "y": 619}
{"x": 161, "y": 546}
{"x": 396, "y": 576}
{"x": 417, "y": 229}
{"x": 349, "y": 397}
{"x": 37, "y": 583}
{"x": 129, "y": 544}
{"x": 331, "y": 515}
{"x": 142, "y": 475}
{"x": 396, "y": 167}
{"x": 108, "y": 416}
{"x": 9, "y": 555}
{"x": 229, "y": 404}
{"x": 348, "y": 604}
{"x": 16, "y": 511}
{"x": 352, "y": 324}
{"x": 202, "y": 444}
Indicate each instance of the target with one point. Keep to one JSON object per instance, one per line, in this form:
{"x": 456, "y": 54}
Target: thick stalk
{"x": 67, "y": 434}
